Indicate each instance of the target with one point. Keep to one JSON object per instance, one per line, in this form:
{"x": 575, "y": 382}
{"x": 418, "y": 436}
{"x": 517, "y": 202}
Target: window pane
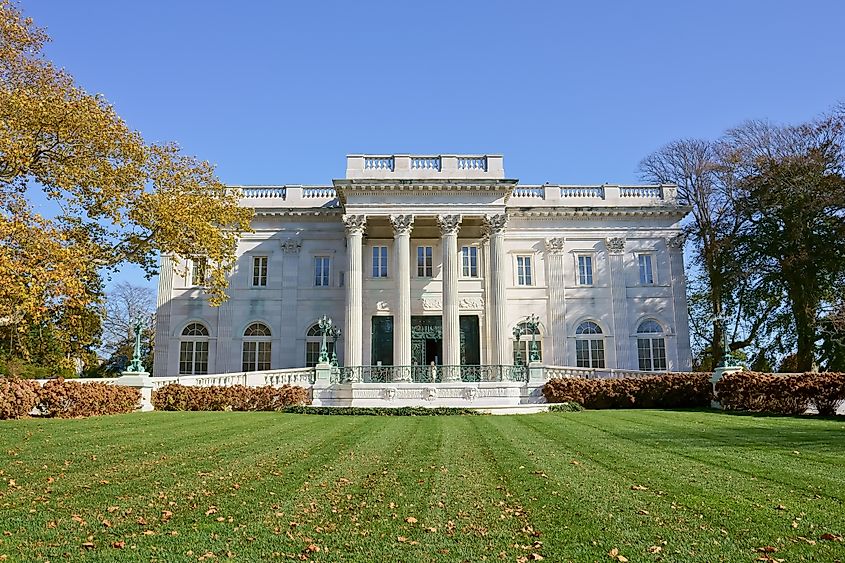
{"x": 597, "y": 352}
{"x": 321, "y": 271}
{"x": 646, "y": 273}
{"x": 659, "y": 353}
{"x": 263, "y": 360}
{"x": 248, "y": 363}
{"x": 528, "y": 280}
{"x": 582, "y": 353}
{"x": 465, "y": 260}
{"x": 200, "y": 358}
{"x": 384, "y": 261}
{"x": 473, "y": 263}
{"x": 644, "y": 354}
{"x": 312, "y": 354}
{"x": 186, "y": 358}
{"x": 420, "y": 262}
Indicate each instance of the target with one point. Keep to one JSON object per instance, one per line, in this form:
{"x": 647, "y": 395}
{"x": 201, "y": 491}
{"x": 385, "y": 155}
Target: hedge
{"x": 671, "y": 390}
{"x": 17, "y": 397}
{"x": 381, "y": 411}
{"x": 782, "y": 394}
{"x": 175, "y": 397}
{"x": 68, "y": 399}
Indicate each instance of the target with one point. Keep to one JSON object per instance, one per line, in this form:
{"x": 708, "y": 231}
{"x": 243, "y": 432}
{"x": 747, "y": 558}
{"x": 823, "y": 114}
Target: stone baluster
{"x": 355, "y": 225}
{"x": 449, "y": 225}
{"x": 402, "y": 225}
{"x": 496, "y": 225}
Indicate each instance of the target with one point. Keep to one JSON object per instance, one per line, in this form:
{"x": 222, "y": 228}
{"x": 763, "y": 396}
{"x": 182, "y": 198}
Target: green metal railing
{"x": 431, "y": 374}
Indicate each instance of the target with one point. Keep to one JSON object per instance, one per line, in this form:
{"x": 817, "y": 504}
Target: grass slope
{"x": 653, "y": 485}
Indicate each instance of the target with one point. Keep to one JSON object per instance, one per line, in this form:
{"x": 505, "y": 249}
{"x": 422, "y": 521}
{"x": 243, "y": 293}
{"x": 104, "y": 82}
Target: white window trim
{"x": 314, "y": 269}
{"x": 592, "y": 255}
{"x": 252, "y": 283}
{"x": 478, "y": 268}
{"x": 531, "y": 256}
{"x": 417, "y": 264}
{"x": 653, "y": 258}
{"x": 372, "y": 261}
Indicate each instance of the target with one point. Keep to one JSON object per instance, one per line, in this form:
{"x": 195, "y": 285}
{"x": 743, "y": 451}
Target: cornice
{"x": 592, "y": 212}
{"x": 297, "y": 212}
{"x": 369, "y": 186}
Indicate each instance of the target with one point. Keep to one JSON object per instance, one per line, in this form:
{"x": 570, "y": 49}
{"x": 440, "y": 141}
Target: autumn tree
{"x": 122, "y": 200}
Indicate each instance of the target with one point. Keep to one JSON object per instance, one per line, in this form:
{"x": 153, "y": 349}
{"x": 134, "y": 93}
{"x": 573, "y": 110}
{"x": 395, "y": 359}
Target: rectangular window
{"x": 321, "y": 271}
{"x": 524, "y": 275}
{"x": 379, "y": 261}
{"x": 199, "y": 271}
{"x": 259, "y": 271}
{"x": 186, "y": 358}
{"x": 646, "y": 264}
{"x": 469, "y": 256}
{"x": 425, "y": 262}
{"x": 250, "y": 351}
{"x": 585, "y": 269}
{"x": 652, "y": 354}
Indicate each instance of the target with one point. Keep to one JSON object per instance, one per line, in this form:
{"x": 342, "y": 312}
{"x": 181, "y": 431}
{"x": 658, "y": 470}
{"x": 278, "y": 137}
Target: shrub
{"x": 566, "y": 407}
{"x": 174, "y": 397}
{"x": 67, "y": 399}
{"x": 17, "y": 397}
{"x": 672, "y": 390}
{"x": 782, "y": 394}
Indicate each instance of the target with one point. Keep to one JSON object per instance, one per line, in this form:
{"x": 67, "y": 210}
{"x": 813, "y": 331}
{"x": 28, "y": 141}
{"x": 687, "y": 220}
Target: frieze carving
{"x": 496, "y": 224}
{"x": 676, "y": 241}
{"x": 471, "y": 394}
{"x": 430, "y": 393}
{"x": 402, "y": 224}
{"x": 355, "y": 224}
{"x": 382, "y": 306}
{"x": 471, "y": 303}
{"x": 555, "y": 245}
{"x": 615, "y": 245}
{"x": 389, "y": 393}
{"x": 449, "y": 224}
{"x": 431, "y": 303}
{"x": 292, "y": 245}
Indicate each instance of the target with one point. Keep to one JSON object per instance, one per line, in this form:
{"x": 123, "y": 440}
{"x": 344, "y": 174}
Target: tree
{"x": 125, "y": 303}
{"x": 791, "y": 195}
{"x": 122, "y": 200}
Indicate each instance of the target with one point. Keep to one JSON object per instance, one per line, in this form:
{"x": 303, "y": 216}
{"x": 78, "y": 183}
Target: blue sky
{"x": 279, "y": 92}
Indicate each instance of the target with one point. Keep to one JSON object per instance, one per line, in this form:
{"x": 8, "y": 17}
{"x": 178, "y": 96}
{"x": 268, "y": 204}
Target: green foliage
{"x": 381, "y": 411}
{"x": 566, "y": 407}
{"x": 14, "y": 367}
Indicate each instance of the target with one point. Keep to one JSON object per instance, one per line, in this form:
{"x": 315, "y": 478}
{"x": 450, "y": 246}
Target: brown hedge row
{"x": 176, "y": 397}
{"x": 17, "y": 397}
{"x": 671, "y": 390}
{"x": 782, "y": 394}
{"x": 68, "y": 399}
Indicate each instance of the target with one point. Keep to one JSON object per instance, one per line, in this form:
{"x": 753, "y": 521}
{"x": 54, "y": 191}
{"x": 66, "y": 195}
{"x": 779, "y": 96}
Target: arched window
{"x": 589, "y": 345}
{"x": 313, "y": 340}
{"x": 193, "y": 350}
{"x": 256, "y": 348}
{"x": 522, "y": 347}
{"x": 651, "y": 346}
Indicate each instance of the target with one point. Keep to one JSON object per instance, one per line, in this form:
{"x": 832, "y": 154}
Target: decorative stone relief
{"x": 555, "y": 245}
{"x": 389, "y": 394}
{"x": 676, "y": 241}
{"x": 382, "y": 306}
{"x": 432, "y": 303}
{"x": 402, "y": 224}
{"x": 430, "y": 393}
{"x": 471, "y": 394}
{"x": 292, "y": 245}
{"x": 471, "y": 303}
{"x": 449, "y": 224}
{"x": 615, "y": 245}
{"x": 355, "y": 224}
{"x": 496, "y": 224}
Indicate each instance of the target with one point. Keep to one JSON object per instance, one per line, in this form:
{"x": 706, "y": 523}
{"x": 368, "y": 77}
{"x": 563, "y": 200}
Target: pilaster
{"x": 681, "y": 349}
{"x": 163, "y": 330}
{"x": 291, "y": 355}
{"x": 557, "y": 299}
{"x": 619, "y": 301}
{"x": 355, "y": 225}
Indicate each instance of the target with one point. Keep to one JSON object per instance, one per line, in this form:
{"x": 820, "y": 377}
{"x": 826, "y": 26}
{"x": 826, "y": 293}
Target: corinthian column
{"x": 496, "y": 225}
{"x": 355, "y": 225}
{"x": 449, "y": 225}
{"x": 402, "y": 225}
{"x": 557, "y": 300}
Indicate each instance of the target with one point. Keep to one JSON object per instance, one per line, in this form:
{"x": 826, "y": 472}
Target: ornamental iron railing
{"x": 430, "y": 374}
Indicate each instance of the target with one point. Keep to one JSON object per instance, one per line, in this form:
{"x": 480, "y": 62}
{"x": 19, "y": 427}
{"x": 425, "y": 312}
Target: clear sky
{"x": 569, "y": 92}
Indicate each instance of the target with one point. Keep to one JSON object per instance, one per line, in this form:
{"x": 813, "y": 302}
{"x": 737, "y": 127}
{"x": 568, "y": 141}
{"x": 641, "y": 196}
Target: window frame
{"x": 425, "y": 269}
{"x": 259, "y": 271}
{"x": 199, "y": 269}
{"x": 652, "y": 270}
{"x": 596, "y": 355}
{"x": 589, "y": 277}
{"x": 654, "y": 342}
{"x": 259, "y": 347}
{"x": 524, "y": 275}
{"x": 325, "y": 275}
{"x": 197, "y": 347}
{"x": 469, "y": 261}
{"x": 380, "y": 261}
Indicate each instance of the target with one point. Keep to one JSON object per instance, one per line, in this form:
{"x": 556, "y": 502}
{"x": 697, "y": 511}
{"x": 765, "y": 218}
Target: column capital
{"x": 615, "y": 245}
{"x": 449, "y": 224}
{"x": 292, "y": 245}
{"x": 355, "y": 224}
{"x": 402, "y": 224}
{"x": 496, "y": 224}
{"x": 555, "y": 245}
{"x": 676, "y": 241}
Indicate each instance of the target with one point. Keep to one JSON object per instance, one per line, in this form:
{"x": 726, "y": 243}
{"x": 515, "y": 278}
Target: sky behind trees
{"x": 279, "y": 92}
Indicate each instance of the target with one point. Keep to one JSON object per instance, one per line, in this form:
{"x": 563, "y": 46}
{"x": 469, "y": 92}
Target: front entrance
{"x": 427, "y": 340}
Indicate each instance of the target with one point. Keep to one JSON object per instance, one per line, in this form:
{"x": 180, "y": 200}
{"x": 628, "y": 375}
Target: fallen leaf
{"x": 401, "y": 539}
{"x": 411, "y": 520}
{"x": 638, "y": 488}
{"x": 655, "y": 549}
{"x": 88, "y": 545}
{"x": 119, "y": 544}
{"x": 830, "y": 537}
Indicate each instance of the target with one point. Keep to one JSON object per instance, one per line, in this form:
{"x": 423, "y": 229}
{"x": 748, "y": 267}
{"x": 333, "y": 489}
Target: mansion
{"x": 442, "y": 260}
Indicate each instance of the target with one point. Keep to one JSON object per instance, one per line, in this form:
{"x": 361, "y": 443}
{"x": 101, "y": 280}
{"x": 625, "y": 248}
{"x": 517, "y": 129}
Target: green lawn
{"x": 654, "y": 485}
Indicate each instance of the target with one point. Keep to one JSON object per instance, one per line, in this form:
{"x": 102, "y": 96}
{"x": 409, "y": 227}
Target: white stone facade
{"x": 312, "y": 254}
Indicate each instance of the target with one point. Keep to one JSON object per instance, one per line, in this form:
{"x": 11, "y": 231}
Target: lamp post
{"x": 325, "y": 325}
{"x": 135, "y": 366}
{"x": 532, "y": 323}
{"x": 334, "y": 332}
{"x": 517, "y": 333}
{"x": 728, "y": 359}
